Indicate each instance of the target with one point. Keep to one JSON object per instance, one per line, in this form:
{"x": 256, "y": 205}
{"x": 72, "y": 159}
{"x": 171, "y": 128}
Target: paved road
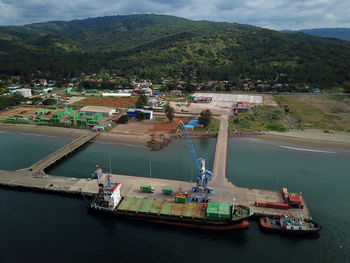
{"x": 219, "y": 167}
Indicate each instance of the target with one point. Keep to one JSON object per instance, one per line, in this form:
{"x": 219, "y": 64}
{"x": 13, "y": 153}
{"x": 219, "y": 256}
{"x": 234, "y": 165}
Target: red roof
{"x": 42, "y": 80}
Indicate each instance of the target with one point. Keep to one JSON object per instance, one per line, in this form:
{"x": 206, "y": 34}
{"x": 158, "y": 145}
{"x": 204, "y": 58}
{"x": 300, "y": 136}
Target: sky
{"x": 273, "y": 14}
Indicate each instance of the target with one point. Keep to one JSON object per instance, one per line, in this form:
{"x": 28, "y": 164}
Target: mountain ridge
{"x": 338, "y": 33}
{"x": 158, "y": 46}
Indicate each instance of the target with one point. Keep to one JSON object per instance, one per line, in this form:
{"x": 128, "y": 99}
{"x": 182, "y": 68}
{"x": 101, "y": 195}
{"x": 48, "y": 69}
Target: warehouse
{"x": 24, "y": 92}
{"x": 106, "y": 111}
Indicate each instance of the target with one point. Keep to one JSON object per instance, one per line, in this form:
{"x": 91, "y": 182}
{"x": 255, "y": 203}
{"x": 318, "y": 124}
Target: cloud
{"x": 274, "y": 14}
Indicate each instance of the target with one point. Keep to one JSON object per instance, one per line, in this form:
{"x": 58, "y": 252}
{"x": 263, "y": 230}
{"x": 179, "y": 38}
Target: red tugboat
{"x": 294, "y": 224}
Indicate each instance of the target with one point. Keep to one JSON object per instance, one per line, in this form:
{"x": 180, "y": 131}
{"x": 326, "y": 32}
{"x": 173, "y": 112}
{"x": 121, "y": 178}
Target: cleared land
{"x": 147, "y": 127}
{"x": 321, "y": 111}
{"x": 223, "y": 103}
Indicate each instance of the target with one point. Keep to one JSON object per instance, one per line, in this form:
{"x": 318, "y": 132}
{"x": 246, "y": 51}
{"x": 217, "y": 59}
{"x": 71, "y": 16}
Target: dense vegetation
{"x": 9, "y": 101}
{"x": 154, "y": 46}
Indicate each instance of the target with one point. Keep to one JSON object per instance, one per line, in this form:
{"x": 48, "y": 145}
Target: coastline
{"x": 312, "y": 138}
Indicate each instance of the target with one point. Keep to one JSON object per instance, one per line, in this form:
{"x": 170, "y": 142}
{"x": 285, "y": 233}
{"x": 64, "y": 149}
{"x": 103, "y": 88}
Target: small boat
{"x": 289, "y": 225}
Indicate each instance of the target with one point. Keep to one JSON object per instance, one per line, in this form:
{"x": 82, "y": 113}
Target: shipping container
{"x": 167, "y": 191}
{"x": 275, "y": 205}
{"x": 179, "y": 198}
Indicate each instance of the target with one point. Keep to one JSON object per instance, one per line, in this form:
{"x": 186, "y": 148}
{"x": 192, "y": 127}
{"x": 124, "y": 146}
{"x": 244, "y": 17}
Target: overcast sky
{"x": 273, "y": 14}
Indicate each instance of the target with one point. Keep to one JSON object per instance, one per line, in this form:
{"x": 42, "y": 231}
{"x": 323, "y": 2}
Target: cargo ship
{"x": 289, "y": 225}
{"x": 178, "y": 212}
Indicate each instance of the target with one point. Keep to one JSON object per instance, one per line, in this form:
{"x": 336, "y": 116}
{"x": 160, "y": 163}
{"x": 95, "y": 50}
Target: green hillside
{"x": 159, "y": 46}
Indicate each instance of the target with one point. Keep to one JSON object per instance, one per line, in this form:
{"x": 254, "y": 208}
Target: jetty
{"x": 38, "y": 168}
{"x": 35, "y": 179}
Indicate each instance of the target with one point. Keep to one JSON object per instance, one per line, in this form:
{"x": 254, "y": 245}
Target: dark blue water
{"x": 48, "y": 228}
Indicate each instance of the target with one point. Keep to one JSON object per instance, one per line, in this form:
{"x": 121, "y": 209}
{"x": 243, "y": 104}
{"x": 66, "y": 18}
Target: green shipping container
{"x": 180, "y": 199}
{"x": 145, "y": 187}
{"x": 167, "y": 191}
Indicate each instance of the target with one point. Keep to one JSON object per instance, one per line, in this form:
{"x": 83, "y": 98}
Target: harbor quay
{"x": 34, "y": 178}
{"x": 87, "y": 188}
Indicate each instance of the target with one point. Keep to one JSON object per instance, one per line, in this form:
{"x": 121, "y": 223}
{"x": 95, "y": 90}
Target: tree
{"x": 49, "y": 102}
{"x": 169, "y": 112}
{"x": 140, "y": 116}
{"x": 141, "y": 101}
{"x": 106, "y": 84}
{"x": 36, "y": 100}
{"x": 204, "y": 117}
{"x": 123, "y": 119}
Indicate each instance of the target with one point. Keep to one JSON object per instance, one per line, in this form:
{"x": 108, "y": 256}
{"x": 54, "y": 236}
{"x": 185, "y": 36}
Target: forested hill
{"x": 339, "y": 33}
{"x": 158, "y": 46}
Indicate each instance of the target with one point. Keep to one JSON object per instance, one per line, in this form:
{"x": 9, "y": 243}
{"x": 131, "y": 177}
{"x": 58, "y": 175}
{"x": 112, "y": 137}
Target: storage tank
{"x": 24, "y": 92}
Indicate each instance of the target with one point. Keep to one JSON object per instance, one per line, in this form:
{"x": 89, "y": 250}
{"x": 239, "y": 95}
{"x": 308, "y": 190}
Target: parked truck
{"x": 146, "y": 188}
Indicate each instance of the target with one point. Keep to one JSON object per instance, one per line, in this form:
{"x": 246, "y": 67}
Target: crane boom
{"x": 203, "y": 175}
{"x": 191, "y": 148}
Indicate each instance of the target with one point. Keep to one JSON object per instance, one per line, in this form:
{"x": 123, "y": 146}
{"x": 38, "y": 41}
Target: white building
{"x": 116, "y": 94}
{"x": 147, "y": 91}
{"x": 24, "y": 92}
{"x": 106, "y": 111}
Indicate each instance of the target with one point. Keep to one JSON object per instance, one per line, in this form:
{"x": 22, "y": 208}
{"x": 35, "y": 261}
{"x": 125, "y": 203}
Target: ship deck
{"x": 162, "y": 207}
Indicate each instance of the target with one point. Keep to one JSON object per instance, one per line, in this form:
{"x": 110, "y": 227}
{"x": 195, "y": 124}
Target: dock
{"x": 38, "y": 168}
{"x": 34, "y": 179}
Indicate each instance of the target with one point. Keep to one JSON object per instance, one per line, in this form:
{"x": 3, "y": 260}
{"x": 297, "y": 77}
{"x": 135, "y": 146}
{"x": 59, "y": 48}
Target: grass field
{"x": 318, "y": 111}
{"x": 259, "y": 118}
{"x": 213, "y": 126}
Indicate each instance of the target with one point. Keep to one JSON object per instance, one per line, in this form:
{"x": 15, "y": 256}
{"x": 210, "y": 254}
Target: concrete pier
{"x": 37, "y": 169}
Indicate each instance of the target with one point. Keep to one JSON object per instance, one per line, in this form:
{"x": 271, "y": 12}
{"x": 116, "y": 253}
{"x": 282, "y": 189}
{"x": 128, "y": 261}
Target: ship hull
{"x": 242, "y": 224}
{"x": 177, "y": 221}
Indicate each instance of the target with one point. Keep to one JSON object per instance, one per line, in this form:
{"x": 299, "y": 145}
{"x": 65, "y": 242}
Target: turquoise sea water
{"x": 49, "y": 228}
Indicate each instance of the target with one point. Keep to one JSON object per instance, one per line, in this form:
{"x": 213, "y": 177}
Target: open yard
{"x": 108, "y": 102}
{"x": 25, "y": 112}
{"x": 260, "y": 118}
{"x": 318, "y": 111}
{"x": 147, "y": 127}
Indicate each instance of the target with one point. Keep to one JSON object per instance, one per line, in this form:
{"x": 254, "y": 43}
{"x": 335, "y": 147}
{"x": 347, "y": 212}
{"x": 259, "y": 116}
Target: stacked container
{"x": 218, "y": 211}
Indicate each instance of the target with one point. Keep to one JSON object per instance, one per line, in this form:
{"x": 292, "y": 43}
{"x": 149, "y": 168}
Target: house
{"x": 175, "y": 92}
{"x": 43, "y": 82}
{"x": 147, "y": 91}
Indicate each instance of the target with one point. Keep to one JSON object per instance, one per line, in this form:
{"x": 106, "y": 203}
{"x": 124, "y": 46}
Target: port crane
{"x": 201, "y": 189}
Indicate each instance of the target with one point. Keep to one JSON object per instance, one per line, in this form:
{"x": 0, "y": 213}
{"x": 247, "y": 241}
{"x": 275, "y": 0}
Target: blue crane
{"x": 203, "y": 176}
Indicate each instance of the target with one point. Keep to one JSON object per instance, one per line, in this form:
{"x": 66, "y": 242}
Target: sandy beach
{"x": 74, "y": 133}
{"x": 312, "y": 137}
